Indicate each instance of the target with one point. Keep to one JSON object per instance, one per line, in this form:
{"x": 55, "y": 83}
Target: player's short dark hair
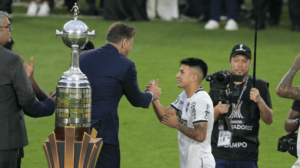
{"x": 196, "y": 62}
{"x": 119, "y": 31}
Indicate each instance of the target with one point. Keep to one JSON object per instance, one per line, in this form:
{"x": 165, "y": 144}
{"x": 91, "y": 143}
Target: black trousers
{"x": 109, "y": 156}
{"x": 274, "y": 7}
{"x": 197, "y": 8}
{"x": 294, "y": 11}
{"x": 19, "y": 163}
{"x": 8, "y": 158}
{"x": 133, "y": 10}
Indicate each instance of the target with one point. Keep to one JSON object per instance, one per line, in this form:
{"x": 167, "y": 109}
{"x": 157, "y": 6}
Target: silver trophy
{"x": 74, "y": 93}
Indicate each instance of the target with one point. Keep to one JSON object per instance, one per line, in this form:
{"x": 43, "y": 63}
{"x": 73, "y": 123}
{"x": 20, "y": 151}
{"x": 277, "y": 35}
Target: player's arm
{"x": 285, "y": 89}
{"x": 42, "y": 108}
{"x": 160, "y": 111}
{"x": 200, "y": 110}
{"x": 292, "y": 121}
{"x": 133, "y": 93}
{"x": 197, "y": 133}
{"x": 40, "y": 93}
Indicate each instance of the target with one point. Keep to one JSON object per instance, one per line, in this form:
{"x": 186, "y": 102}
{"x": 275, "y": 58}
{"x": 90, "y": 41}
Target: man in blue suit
{"x": 112, "y": 75}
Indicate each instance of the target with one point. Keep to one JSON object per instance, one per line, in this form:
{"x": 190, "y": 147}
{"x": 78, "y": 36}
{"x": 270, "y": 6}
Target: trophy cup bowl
{"x": 75, "y": 32}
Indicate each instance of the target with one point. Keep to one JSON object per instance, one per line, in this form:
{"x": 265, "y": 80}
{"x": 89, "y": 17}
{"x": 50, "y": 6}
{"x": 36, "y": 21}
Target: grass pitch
{"x": 158, "y": 48}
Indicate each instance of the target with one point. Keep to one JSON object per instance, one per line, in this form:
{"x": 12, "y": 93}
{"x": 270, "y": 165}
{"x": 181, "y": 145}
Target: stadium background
{"x": 158, "y": 48}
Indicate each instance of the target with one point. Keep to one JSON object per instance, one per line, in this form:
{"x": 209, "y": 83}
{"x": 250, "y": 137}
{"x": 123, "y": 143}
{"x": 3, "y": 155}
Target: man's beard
{"x": 244, "y": 75}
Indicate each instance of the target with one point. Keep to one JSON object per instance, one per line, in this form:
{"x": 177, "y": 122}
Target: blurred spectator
{"x": 5, "y": 5}
{"x": 231, "y": 13}
{"x": 70, "y": 3}
{"x": 93, "y": 10}
{"x": 274, "y": 7}
{"x": 197, "y": 8}
{"x": 166, "y": 9}
{"x": 133, "y": 10}
{"x": 45, "y": 8}
{"x": 294, "y": 10}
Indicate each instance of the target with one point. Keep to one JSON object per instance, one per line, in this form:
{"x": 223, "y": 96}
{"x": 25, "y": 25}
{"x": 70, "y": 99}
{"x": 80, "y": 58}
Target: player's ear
{"x": 123, "y": 43}
{"x": 194, "y": 77}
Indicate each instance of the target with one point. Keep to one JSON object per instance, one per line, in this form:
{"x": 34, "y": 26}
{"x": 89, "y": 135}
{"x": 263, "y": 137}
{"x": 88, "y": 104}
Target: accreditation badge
{"x": 224, "y": 138}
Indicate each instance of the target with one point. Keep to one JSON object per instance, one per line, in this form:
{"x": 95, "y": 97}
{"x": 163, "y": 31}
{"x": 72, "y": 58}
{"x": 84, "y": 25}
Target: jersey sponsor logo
{"x": 207, "y": 111}
{"x": 184, "y": 122}
{"x": 206, "y": 114}
{"x": 179, "y": 113}
{"x": 236, "y": 122}
{"x": 238, "y": 113}
{"x": 242, "y": 127}
{"x": 193, "y": 109}
{"x": 237, "y": 145}
{"x": 187, "y": 107}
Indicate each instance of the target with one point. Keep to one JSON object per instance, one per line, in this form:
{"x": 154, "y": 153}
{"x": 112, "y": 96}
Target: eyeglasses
{"x": 9, "y": 27}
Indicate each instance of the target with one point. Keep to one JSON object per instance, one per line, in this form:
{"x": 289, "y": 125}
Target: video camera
{"x": 288, "y": 143}
{"x": 219, "y": 87}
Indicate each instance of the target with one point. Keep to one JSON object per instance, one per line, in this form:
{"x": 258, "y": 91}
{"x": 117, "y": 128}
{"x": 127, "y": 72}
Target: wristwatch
{"x": 297, "y": 122}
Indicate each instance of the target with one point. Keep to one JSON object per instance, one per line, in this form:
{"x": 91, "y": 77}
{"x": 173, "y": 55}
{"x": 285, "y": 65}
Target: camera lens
{"x": 221, "y": 78}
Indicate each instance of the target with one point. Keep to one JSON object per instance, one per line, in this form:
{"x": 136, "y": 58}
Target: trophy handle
{"x": 58, "y": 33}
{"x": 92, "y": 34}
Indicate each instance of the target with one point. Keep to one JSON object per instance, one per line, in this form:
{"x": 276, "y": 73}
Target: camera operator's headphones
{"x": 288, "y": 143}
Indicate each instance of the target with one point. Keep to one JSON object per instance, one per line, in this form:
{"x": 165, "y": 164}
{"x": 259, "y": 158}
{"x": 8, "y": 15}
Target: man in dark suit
{"x": 16, "y": 93}
{"x": 45, "y": 106}
{"x": 112, "y": 75}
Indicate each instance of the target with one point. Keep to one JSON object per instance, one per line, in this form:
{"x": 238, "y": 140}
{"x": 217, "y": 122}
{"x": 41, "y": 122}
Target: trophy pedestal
{"x": 71, "y": 153}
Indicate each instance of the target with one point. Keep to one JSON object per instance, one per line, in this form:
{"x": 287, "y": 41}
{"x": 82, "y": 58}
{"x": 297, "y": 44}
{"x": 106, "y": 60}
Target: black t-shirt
{"x": 296, "y": 105}
{"x": 244, "y": 124}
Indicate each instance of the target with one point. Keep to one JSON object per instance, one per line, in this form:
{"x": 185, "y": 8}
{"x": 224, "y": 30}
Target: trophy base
{"x": 71, "y": 153}
{"x": 79, "y": 133}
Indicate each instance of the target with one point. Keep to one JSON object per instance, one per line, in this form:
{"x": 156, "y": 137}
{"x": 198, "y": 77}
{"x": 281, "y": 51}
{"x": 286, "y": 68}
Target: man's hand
{"x": 149, "y": 84}
{"x": 170, "y": 120}
{"x": 255, "y": 96}
{"x": 223, "y": 108}
{"x": 29, "y": 68}
{"x": 50, "y": 96}
{"x": 154, "y": 89}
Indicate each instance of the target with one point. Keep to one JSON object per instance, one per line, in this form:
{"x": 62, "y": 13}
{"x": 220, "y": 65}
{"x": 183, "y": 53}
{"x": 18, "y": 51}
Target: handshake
{"x": 152, "y": 87}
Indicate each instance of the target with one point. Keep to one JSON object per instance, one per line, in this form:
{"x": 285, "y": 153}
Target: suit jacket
{"x": 15, "y": 93}
{"x": 111, "y": 76}
{"x": 38, "y": 109}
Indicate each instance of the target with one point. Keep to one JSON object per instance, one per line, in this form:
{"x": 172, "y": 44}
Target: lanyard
{"x": 238, "y": 102}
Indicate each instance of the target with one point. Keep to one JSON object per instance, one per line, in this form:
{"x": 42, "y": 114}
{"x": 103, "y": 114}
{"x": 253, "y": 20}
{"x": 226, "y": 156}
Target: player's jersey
{"x": 191, "y": 111}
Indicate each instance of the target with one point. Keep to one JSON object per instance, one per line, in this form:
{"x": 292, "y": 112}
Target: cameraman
{"x": 244, "y": 115}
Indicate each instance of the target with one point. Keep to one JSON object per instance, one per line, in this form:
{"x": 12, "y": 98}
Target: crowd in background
{"x": 234, "y": 12}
